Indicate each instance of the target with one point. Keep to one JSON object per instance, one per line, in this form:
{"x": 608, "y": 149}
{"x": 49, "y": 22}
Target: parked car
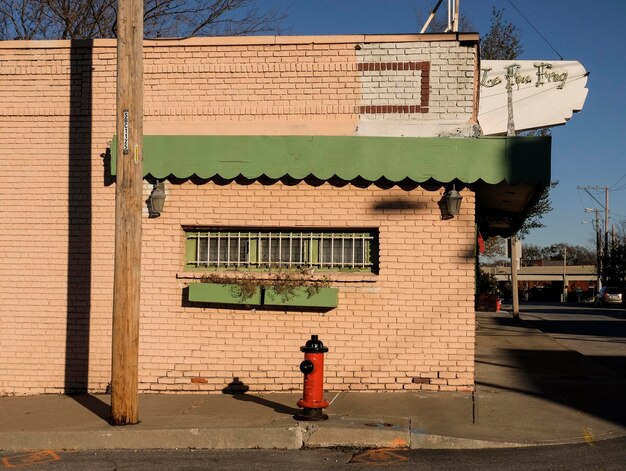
{"x": 609, "y": 296}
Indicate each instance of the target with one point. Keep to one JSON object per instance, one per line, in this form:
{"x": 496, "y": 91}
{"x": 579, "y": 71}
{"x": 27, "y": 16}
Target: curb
{"x": 353, "y": 435}
{"x": 167, "y": 439}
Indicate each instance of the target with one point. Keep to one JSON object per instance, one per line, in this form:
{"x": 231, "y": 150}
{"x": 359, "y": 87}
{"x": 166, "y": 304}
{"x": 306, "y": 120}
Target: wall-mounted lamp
{"x": 450, "y": 203}
{"x": 156, "y": 200}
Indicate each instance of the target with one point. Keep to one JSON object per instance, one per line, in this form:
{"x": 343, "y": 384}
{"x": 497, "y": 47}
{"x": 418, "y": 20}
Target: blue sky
{"x": 590, "y": 149}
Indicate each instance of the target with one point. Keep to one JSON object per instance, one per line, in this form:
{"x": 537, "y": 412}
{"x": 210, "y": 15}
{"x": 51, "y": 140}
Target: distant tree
{"x": 530, "y": 254}
{"x": 576, "y": 254}
{"x": 495, "y": 248}
{"x": 23, "y": 19}
{"x": 502, "y": 42}
{"x": 542, "y": 207}
{"x": 614, "y": 274}
{"x": 87, "y": 19}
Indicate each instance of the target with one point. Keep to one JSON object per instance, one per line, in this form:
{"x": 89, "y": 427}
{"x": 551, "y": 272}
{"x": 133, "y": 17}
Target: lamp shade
{"x": 157, "y": 197}
{"x": 453, "y": 201}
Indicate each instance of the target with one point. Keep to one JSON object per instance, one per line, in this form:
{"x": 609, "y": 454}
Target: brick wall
{"x": 413, "y": 319}
{"x": 418, "y": 89}
{"x": 57, "y": 217}
{"x": 249, "y": 82}
{"x": 436, "y": 77}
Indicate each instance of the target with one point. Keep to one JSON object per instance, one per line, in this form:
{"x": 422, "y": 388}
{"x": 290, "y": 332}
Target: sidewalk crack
{"x": 195, "y": 405}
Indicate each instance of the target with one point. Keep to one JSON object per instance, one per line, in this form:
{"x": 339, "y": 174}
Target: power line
{"x": 536, "y": 30}
{"x": 587, "y": 188}
{"x": 619, "y": 188}
{"x": 615, "y": 184}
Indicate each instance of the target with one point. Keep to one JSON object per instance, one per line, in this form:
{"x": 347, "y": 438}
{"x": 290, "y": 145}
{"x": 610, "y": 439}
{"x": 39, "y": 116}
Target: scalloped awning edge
{"x": 514, "y": 160}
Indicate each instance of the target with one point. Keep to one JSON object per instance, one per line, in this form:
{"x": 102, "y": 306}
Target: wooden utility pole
{"x": 514, "y": 268}
{"x": 128, "y": 213}
{"x": 514, "y": 242}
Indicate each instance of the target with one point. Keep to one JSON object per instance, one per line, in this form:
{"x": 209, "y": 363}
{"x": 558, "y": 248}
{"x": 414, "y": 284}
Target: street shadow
{"x": 593, "y": 385}
{"x": 79, "y": 262}
{"x": 567, "y": 378}
{"x": 595, "y": 328}
{"x": 572, "y": 309}
{"x": 502, "y": 323}
{"x": 238, "y": 390}
{"x": 571, "y": 326}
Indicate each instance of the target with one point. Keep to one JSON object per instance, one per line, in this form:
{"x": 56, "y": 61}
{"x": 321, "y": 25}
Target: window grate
{"x": 289, "y": 249}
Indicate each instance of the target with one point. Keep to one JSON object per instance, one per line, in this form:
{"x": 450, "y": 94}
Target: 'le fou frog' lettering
{"x": 514, "y": 75}
{"x": 544, "y": 75}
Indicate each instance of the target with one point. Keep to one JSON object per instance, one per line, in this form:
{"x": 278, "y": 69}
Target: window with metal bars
{"x": 330, "y": 249}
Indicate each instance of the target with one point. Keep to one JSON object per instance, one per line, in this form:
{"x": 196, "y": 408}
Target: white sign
{"x": 544, "y": 93}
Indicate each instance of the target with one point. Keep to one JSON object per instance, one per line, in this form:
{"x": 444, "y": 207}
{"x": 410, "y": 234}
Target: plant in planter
{"x": 288, "y": 283}
{"x": 243, "y": 287}
{"x": 277, "y": 288}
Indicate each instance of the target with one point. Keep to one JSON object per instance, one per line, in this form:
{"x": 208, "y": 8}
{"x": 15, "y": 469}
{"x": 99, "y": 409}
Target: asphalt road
{"x": 597, "y": 333}
{"x": 606, "y": 455}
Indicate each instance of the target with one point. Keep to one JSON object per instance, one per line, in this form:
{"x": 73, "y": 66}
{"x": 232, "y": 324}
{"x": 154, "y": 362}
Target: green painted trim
{"x": 325, "y": 297}
{"x": 218, "y": 293}
{"x": 191, "y": 247}
{"x": 490, "y": 159}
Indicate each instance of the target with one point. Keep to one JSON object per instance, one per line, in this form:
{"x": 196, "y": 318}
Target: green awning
{"x": 508, "y": 174}
{"x": 491, "y": 159}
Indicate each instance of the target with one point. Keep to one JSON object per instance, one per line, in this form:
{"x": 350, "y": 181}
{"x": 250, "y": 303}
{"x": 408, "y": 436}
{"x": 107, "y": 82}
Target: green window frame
{"x": 227, "y": 248}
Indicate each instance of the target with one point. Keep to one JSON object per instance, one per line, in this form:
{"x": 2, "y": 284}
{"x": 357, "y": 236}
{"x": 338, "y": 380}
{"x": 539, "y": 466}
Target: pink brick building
{"x": 325, "y": 157}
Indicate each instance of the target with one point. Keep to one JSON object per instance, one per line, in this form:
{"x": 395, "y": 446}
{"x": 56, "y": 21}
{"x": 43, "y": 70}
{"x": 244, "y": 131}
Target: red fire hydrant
{"x": 312, "y": 367}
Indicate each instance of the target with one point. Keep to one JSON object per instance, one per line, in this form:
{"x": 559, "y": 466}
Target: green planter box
{"x": 324, "y": 298}
{"x": 219, "y": 293}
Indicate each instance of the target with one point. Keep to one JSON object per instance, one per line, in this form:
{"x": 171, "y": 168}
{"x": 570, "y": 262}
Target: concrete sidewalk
{"x": 530, "y": 391}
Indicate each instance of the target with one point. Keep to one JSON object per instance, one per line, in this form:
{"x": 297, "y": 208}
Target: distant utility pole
{"x": 516, "y": 253}
{"x": 606, "y": 217}
{"x": 565, "y": 281}
{"x": 596, "y": 228}
{"x": 515, "y": 249}
{"x": 128, "y": 213}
